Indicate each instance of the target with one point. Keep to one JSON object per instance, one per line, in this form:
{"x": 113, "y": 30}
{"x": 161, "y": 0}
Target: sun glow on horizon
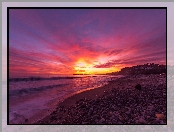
{"x": 82, "y": 67}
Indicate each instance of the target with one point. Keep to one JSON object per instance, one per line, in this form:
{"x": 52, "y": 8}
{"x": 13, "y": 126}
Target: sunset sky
{"x": 67, "y": 41}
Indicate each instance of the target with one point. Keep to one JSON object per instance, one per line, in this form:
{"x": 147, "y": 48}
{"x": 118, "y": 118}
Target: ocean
{"x": 33, "y": 98}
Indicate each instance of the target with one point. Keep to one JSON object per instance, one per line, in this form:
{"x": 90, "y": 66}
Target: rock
{"x": 120, "y": 118}
{"x": 125, "y": 117}
{"x": 128, "y": 112}
{"x": 84, "y": 122}
{"x": 123, "y": 110}
{"x": 96, "y": 120}
{"x": 157, "y": 121}
{"x": 138, "y": 86}
{"x": 120, "y": 122}
{"x": 83, "y": 106}
{"x": 96, "y": 116}
{"x": 114, "y": 121}
{"x": 141, "y": 120}
{"x": 150, "y": 113}
{"x": 102, "y": 120}
{"x": 137, "y": 121}
{"x": 110, "y": 113}
{"x": 148, "y": 117}
{"x": 162, "y": 122}
{"x": 94, "y": 112}
{"x": 151, "y": 108}
{"x": 160, "y": 116}
{"x": 113, "y": 108}
{"x": 91, "y": 109}
{"x": 113, "y": 117}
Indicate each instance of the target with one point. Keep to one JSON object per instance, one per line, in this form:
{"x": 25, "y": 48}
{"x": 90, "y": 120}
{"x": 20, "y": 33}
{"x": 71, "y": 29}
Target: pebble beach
{"x": 118, "y": 102}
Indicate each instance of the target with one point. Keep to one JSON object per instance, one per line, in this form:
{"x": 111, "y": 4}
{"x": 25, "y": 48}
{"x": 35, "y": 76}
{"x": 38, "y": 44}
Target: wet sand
{"x": 115, "y": 103}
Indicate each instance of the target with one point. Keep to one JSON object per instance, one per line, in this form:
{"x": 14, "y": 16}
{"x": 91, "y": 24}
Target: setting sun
{"x": 82, "y": 67}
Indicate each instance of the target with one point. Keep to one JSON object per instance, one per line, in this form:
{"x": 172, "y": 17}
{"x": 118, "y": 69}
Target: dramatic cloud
{"x": 67, "y": 41}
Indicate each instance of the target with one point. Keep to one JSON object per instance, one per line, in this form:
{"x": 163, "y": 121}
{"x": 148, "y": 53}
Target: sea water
{"x": 31, "y": 100}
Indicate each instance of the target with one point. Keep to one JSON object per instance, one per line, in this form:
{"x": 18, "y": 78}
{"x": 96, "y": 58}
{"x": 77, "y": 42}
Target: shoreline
{"x": 69, "y": 100}
{"x": 43, "y": 108}
{"x": 73, "y": 111}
